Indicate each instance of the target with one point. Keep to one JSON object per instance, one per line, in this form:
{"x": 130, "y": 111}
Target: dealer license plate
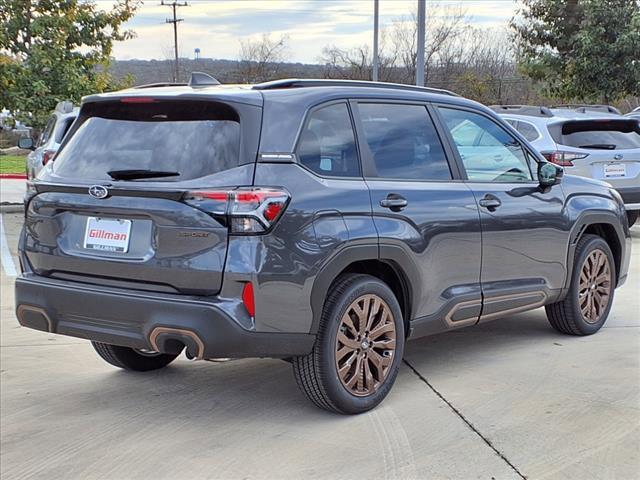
{"x": 107, "y": 234}
{"x": 613, "y": 170}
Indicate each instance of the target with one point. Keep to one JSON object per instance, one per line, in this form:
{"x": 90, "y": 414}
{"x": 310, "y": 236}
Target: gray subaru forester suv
{"x": 322, "y": 222}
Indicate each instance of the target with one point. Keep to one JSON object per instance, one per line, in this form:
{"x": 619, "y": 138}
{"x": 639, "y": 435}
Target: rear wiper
{"x": 600, "y": 146}
{"x": 137, "y": 174}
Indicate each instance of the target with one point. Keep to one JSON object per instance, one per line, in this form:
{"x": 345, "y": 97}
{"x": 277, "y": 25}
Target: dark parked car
{"x": 322, "y": 222}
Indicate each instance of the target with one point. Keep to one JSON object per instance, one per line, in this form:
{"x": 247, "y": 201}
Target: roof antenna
{"x": 201, "y": 79}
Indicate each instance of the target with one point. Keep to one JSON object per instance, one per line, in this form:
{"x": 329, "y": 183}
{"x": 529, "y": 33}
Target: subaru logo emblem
{"x": 98, "y": 191}
{"x": 618, "y": 156}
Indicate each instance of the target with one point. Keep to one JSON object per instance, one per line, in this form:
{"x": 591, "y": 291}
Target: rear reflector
{"x": 248, "y": 300}
{"x": 251, "y": 210}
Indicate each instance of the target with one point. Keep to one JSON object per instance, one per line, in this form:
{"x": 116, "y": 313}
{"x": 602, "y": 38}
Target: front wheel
{"x": 359, "y": 347}
{"x": 132, "y": 359}
{"x": 588, "y": 302}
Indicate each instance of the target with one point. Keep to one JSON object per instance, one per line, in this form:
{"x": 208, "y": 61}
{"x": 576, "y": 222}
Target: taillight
{"x": 250, "y": 210}
{"x": 47, "y": 155}
{"x": 564, "y": 159}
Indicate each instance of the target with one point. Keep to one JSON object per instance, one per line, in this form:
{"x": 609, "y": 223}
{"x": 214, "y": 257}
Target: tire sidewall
{"x": 340, "y": 396}
{"x": 585, "y": 327}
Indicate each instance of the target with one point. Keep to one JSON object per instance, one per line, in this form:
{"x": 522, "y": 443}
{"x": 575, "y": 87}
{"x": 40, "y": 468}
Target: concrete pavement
{"x": 12, "y": 190}
{"x": 508, "y": 399}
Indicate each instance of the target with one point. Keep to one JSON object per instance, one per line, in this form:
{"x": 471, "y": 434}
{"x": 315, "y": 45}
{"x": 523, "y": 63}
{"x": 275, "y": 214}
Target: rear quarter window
{"x": 327, "y": 144}
{"x": 191, "y": 138}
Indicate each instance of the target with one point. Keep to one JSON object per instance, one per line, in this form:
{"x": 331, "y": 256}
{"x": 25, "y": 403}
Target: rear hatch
{"x": 111, "y": 209}
{"x": 604, "y": 148}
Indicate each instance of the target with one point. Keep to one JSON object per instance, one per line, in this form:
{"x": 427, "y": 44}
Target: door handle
{"x": 490, "y": 202}
{"x": 394, "y": 202}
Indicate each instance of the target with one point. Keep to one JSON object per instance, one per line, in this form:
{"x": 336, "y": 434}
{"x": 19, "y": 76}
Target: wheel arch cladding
{"x": 360, "y": 259}
{"x": 604, "y": 225}
{"x": 607, "y": 232}
{"x": 392, "y": 275}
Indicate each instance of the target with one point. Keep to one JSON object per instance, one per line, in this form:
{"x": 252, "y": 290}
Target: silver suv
{"x": 592, "y": 141}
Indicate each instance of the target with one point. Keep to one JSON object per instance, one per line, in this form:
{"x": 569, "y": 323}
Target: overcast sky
{"x": 217, "y": 26}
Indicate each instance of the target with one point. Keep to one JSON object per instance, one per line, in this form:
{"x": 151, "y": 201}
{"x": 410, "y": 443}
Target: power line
{"x": 174, "y": 5}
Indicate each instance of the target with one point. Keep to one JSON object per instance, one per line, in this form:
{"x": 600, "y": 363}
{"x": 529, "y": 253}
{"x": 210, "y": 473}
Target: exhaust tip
{"x": 166, "y": 339}
{"x": 34, "y": 317}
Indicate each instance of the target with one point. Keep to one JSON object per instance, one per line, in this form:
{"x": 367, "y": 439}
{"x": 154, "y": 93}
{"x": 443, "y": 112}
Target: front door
{"x": 524, "y": 232}
{"x": 427, "y": 218}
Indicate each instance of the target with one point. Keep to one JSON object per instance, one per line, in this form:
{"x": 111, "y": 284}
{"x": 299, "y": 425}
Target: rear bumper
{"x": 161, "y": 322}
{"x": 630, "y": 196}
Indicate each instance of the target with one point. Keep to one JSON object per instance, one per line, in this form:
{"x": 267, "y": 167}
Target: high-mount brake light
{"x": 138, "y": 100}
{"x": 564, "y": 159}
{"x": 250, "y": 210}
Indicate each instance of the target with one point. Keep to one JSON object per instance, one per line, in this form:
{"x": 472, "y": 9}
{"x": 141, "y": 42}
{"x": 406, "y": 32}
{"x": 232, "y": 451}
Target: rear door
{"x": 421, "y": 208}
{"x": 524, "y": 232}
{"x": 113, "y": 208}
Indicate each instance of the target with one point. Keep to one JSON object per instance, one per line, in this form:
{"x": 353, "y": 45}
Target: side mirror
{"x": 25, "y": 143}
{"x": 549, "y": 174}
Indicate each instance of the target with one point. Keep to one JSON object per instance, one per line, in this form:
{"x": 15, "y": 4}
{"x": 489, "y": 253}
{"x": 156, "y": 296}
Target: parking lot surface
{"x": 508, "y": 399}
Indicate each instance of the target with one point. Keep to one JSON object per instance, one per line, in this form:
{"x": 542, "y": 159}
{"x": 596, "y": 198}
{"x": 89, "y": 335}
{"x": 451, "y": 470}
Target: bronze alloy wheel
{"x": 365, "y": 345}
{"x": 595, "y": 286}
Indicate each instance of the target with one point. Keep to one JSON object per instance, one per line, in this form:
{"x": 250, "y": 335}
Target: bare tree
{"x": 356, "y": 63}
{"x": 260, "y": 59}
{"x": 442, "y": 29}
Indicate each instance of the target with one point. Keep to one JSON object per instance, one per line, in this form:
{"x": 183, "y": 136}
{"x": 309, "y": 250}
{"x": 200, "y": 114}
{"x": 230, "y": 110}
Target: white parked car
{"x": 50, "y": 138}
{"x": 593, "y": 141}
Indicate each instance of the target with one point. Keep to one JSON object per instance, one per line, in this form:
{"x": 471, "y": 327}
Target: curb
{"x": 11, "y": 208}
{"x": 13, "y": 176}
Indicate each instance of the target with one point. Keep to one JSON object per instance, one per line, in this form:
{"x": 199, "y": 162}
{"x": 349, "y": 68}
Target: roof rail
{"x": 302, "y": 82}
{"x": 582, "y": 108}
{"x": 160, "y": 84}
{"x": 531, "y": 110}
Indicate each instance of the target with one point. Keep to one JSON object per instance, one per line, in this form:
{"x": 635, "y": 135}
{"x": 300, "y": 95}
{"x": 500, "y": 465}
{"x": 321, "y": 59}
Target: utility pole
{"x": 376, "y": 8}
{"x": 420, "y": 56}
{"x": 174, "y": 5}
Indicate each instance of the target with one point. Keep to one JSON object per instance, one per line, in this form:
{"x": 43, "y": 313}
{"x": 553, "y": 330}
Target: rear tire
{"x": 353, "y": 365}
{"x": 131, "y": 359}
{"x": 632, "y": 216}
{"x": 586, "y": 307}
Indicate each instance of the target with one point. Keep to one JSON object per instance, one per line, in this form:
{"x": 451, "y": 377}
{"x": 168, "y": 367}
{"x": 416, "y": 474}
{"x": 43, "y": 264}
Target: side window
{"x": 495, "y": 157}
{"x": 327, "y": 144}
{"x": 528, "y": 131}
{"x": 63, "y": 129}
{"x": 48, "y": 130}
{"x": 403, "y": 142}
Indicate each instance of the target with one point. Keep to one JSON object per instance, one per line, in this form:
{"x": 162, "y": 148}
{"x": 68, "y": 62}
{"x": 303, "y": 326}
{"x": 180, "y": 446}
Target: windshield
{"x": 191, "y": 139}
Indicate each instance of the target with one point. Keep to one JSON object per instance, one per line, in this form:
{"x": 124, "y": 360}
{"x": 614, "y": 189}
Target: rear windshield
{"x": 599, "y": 134}
{"x": 189, "y": 139}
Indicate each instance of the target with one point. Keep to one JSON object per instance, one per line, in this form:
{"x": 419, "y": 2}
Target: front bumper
{"x": 136, "y": 319}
